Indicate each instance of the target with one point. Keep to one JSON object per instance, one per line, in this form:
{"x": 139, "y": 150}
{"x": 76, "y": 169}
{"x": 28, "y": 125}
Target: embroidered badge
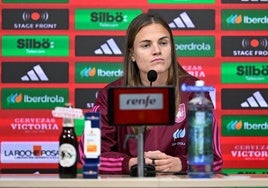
{"x": 179, "y": 133}
{"x": 181, "y": 115}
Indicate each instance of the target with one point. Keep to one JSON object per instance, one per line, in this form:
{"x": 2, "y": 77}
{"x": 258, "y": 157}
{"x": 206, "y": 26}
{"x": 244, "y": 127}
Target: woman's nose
{"x": 156, "y": 49}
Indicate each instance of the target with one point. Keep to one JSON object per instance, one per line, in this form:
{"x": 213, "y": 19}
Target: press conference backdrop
{"x": 58, "y": 51}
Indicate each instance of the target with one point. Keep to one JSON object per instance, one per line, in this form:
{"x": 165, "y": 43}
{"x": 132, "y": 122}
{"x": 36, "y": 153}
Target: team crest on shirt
{"x": 181, "y": 115}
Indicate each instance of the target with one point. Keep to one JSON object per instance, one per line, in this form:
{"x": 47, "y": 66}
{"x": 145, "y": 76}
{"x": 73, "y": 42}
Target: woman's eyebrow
{"x": 164, "y": 37}
{"x": 146, "y": 40}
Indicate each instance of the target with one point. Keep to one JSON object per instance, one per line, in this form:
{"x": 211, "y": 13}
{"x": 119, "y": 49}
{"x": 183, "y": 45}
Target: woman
{"x": 149, "y": 46}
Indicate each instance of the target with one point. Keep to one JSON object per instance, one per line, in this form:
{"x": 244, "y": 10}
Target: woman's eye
{"x": 145, "y": 45}
{"x": 163, "y": 43}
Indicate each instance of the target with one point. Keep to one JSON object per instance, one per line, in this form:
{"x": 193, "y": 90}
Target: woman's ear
{"x": 131, "y": 55}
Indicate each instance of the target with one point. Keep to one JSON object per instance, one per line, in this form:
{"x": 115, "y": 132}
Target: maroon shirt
{"x": 170, "y": 139}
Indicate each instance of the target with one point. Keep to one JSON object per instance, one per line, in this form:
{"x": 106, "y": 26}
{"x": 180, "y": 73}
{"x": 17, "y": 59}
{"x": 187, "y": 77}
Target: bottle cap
{"x": 199, "y": 83}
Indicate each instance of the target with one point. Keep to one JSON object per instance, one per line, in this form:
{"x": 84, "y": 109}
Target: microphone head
{"x": 152, "y": 75}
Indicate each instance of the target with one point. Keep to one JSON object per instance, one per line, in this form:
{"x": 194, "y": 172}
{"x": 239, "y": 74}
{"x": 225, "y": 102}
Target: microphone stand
{"x": 140, "y": 169}
{"x": 140, "y": 151}
{"x": 150, "y": 170}
{"x": 141, "y": 148}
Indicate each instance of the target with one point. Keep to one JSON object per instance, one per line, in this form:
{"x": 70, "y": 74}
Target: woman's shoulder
{"x": 187, "y": 79}
{"x": 115, "y": 83}
{"x": 103, "y": 92}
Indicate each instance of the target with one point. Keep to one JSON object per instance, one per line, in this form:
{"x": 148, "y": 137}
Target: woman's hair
{"x": 131, "y": 70}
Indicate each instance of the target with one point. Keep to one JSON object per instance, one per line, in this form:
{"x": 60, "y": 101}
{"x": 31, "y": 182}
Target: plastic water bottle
{"x": 200, "y": 155}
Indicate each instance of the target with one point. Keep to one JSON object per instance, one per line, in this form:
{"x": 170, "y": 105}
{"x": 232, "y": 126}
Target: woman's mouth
{"x": 157, "y": 60}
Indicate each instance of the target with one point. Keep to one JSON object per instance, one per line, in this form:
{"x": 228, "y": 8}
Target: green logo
{"x": 182, "y": 1}
{"x": 244, "y": 19}
{"x": 79, "y": 126}
{"x": 98, "y": 72}
{"x": 247, "y": 171}
{"x": 242, "y": 72}
{"x": 35, "y": 1}
{"x": 195, "y": 46}
{"x": 35, "y": 98}
{"x": 244, "y": 125}
{"x": 40, "y": 45}
{"x": 104, "y": 19}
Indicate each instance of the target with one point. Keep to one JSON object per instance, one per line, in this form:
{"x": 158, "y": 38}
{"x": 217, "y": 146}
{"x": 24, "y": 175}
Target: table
{"x": 52, "y": 181}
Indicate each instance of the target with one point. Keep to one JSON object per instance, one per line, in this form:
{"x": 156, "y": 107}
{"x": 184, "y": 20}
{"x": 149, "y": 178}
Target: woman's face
{"x": 152, "y": 49}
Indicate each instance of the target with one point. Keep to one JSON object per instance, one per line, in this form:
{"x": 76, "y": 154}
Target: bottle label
{"x": 92, "y": 143}
{"x": 67, "y": 155}
{"x": 200, "y": 137}
{"x": 200, "y": 118}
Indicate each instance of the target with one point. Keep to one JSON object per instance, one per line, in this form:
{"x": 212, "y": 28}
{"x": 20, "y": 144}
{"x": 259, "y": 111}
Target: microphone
{"x": 152, "y": 76}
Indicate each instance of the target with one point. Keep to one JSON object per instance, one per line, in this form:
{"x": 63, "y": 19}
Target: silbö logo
{"x": 35, "y": 45}
{"x": 108, "y": 17}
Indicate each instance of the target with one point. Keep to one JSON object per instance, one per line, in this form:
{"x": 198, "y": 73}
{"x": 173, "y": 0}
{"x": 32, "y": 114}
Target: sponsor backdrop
{"x": 58, "y": 51}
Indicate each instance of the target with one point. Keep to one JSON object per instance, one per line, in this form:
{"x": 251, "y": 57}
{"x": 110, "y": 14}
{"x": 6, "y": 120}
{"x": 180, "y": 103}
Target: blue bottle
{"x": 200, "y": 118}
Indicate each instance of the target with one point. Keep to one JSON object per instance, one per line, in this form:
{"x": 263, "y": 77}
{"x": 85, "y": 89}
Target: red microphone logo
{"x": 35, "y": 16}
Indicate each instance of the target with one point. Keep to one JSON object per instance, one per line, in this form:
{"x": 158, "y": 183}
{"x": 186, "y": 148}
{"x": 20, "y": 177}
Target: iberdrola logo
{"x": 179, "y": 133}
{"x": 234, "y": 19}
{"x": 235, "y": 125}
{"x": 88, "y": 72}
{"x": 14, "y": 98}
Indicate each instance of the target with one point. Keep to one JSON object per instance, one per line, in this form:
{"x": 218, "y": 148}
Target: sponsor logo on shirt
{"x": 179, "y": 134}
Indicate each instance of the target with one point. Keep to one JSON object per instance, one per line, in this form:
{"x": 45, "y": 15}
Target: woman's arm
{"x": 111, "y": 160}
